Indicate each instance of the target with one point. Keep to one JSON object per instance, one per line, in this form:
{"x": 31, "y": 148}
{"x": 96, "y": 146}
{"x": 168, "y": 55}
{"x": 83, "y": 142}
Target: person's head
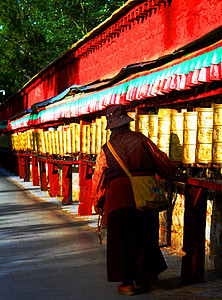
{"x": 116, "y": 116}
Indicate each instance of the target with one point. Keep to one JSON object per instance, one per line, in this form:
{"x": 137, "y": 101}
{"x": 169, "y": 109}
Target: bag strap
{"x": 119, "y": 159}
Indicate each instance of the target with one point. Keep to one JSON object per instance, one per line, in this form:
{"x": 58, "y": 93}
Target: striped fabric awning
{"x": 194, "y": 69}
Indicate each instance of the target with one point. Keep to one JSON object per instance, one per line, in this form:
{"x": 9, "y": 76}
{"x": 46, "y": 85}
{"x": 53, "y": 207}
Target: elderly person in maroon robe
{"x": 133, "y": 254}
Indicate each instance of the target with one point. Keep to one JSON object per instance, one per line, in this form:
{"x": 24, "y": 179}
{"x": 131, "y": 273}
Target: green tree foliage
{"x": 35, "y": 32}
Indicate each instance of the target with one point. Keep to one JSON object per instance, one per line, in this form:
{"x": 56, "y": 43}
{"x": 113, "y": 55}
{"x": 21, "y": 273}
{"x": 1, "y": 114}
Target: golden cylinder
{"x": 163, "y": 140}
{"x": 56, "y": 142}
{"x": 46, "y": 141}
{"x": 50, "y": 142}
{"x": 189, "y": 153}
{"x": 98, "y": 136}
{"x": 190, "y": 120}
{"x": 153, "y": 127}
{"x": 217, "y": 114}
{"x": 164, "y": 125}
{"x": 217, "y": 153}
{"x": 132, "y": 124}
{"x": 87, "y": 139}
{"x": 77, "y": 138}
{"x": 108, "y": 135}
{"x": 60, "y": 138}
{"x": 143, "y": 124}
{"x": 83, "y": 149}
{"x": 73, "y": 134}
{"x": 103, "y": 130}
{"x": 204, "y": 135}
{"x": 53, "y": 142}
{"x": 163, "y": 136}
{"x": 203, "y": 153}
{"x": 205, "y": 117}
{"x": 217, "y": 134}
{"x": 176, "y": 136}
{"x": 68, "y": 140}
{"x": 176, "y": 122}
{"x": 189, "y": 137}
{"x": 93, "y": 138}
{"x": 29, "y": 139}
{"x": 64, "y": 140}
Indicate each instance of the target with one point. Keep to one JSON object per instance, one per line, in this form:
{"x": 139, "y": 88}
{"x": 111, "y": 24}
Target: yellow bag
{"x": 146, "y": 189}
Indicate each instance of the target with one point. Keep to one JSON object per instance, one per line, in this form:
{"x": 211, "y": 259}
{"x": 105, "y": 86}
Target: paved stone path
{"x": 45, "y": 253}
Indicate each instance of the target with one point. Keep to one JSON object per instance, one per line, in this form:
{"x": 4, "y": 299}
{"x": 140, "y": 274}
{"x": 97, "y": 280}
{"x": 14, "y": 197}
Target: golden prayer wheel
{"x": 164, "y": 125}
{"x": 189, "y": 137}
{"x": 57, "y": 142}
{"x": 217, "y": 133}
{"x": 93, "y": 138}
{"x": 60, "y": 137}
{"x": 98, "y": 136}
{"x": 53, "y": 142}
{"x": 190, "y": 120}
{"x": 46, "y": 142}
{"x": 87, "y": 139}
{"x": 217, "y": 114}
{"x": 68, "y": 140}
{"x": 204, "y": 135}
{"x": 143, "y": 124}
{"x": 29, "y": 139}
{"x": 42, "y": 141}
{"x": 108, "y": 134}
{"x": 132, "y": 124}
{"x": 73, "y": 133}
{"x": 83, "y": 150}
{"x": 49, "y": 140}
{"x": 64, "y": 140}
{"x": 103, "y": 130}
{"x": 176, "y": 136}
{"x": 77, "y": 138}
{"x": 163, "y": 136}
{"x": 217, "y": 153}
{"x": 153, "y": 128}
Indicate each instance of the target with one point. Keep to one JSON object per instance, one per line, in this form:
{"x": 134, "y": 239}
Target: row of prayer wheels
{"x": 190, "y": 137}
{"x": 64, "y": 140}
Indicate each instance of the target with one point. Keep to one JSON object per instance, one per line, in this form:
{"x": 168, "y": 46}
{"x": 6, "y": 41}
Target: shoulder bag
{"x": 146, "y": 189}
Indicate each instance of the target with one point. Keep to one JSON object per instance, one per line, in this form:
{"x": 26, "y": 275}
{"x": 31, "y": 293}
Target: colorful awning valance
{"x": 181, "y": 74}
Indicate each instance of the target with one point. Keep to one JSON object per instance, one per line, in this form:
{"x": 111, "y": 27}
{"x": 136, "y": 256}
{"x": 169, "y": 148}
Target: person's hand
{"x": 98, "y": 210}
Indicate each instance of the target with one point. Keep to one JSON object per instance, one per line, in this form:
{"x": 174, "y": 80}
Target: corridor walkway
{"x": 48, "y": 254}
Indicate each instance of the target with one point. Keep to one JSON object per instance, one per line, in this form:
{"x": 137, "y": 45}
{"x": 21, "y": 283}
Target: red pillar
{"x": 194, "y": 234}
{"x": 67, "y": 184}
{"x": 26, "y": 168}
{"x": 53, "y": 179}
{"x": 85, "y": 189}
{"x": 21, "y": 165}
{"x": 35, "y": 172}
{"x": 43, "y": 178}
